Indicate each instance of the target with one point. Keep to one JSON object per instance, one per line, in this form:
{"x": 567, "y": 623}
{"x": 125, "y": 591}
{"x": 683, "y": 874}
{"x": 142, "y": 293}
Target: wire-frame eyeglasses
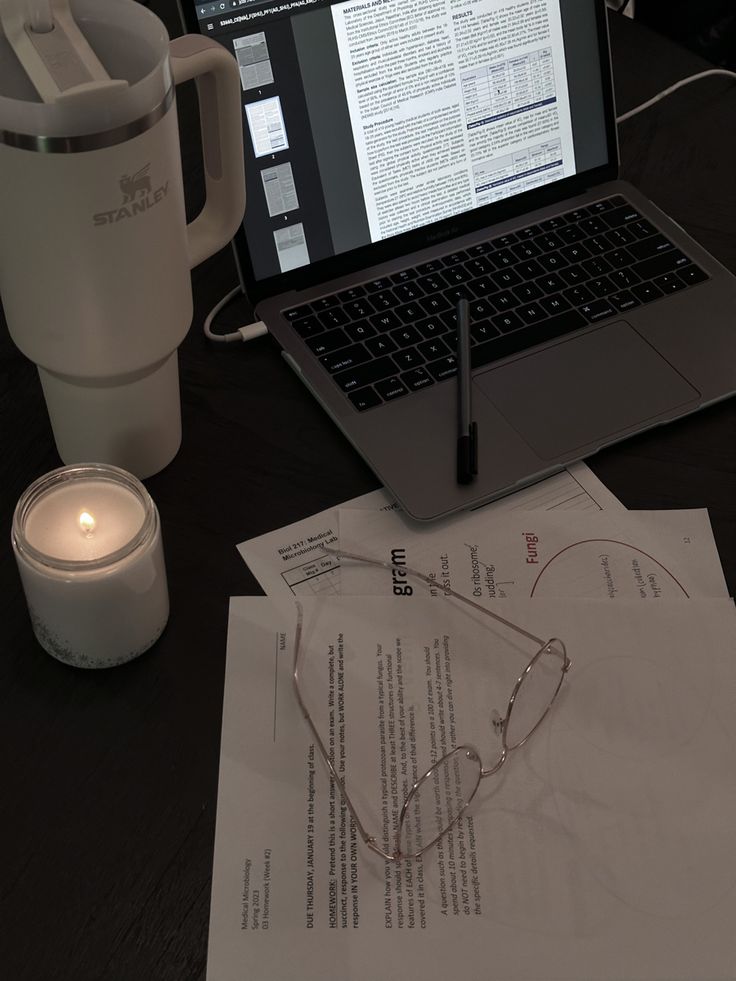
{"x": 442, "y": 794}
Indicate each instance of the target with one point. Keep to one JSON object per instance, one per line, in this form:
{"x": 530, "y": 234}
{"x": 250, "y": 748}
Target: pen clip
{"x": 473, "y": 440}
{"x": 467, "y": 455}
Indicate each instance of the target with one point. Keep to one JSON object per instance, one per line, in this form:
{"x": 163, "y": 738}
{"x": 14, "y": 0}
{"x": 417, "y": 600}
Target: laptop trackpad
{"x": 585, "y": 390}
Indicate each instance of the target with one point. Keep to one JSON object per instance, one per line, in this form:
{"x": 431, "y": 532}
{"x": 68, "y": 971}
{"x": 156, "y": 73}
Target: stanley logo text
{"x": 139, "y": 195}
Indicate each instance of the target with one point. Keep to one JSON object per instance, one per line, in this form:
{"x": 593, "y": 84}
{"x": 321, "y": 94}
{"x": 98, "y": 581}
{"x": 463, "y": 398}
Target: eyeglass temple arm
{"x": 368, "y": 839}
{"x": 428, "y": 581}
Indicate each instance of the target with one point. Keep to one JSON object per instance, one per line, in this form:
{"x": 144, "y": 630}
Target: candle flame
{"x": 87, "y": 523}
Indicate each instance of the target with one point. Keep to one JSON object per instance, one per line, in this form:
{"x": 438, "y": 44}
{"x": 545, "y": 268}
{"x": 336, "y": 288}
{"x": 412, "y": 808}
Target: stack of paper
{"x": 603, "y": 847}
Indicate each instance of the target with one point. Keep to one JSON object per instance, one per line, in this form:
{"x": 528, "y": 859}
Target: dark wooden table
{"x": 109, "y": 779}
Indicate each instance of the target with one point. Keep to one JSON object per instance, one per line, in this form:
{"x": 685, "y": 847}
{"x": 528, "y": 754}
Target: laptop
{"x": 401, "y": 156}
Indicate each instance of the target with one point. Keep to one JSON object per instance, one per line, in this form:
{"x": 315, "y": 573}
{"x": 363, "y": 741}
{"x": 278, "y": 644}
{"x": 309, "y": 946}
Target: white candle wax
{"x": 84, "y": 520}
{"x": 88, "y": 545}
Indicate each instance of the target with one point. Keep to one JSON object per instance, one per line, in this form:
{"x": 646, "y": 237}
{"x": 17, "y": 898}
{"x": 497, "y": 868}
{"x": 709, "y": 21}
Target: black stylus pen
{"x": 467, "y": 429}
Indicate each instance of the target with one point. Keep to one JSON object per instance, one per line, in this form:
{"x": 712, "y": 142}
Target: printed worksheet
{"x": 601, "y": 849}
{"x": 292, "y": 562}
{"x": 598, "y": 555}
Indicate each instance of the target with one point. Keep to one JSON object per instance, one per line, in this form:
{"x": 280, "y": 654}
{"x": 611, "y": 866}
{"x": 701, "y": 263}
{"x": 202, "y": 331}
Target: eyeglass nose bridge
{"x": 497, "y": 722}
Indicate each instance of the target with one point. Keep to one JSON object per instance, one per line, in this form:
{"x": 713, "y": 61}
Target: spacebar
{"x": 526, "y": 337}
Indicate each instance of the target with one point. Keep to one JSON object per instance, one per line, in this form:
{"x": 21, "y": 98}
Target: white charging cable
{"x": 244, "y": 333}
{"x": 673, "y": 88}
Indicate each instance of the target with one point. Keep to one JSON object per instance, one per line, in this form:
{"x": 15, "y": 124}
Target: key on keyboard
{"x": 392, "y": 336}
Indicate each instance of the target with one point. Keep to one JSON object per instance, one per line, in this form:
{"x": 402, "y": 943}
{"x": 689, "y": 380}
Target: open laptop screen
{"x": 367, "y": 120}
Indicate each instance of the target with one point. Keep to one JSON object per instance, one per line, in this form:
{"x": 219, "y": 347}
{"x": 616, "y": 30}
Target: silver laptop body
{"x": 642, "y": 329}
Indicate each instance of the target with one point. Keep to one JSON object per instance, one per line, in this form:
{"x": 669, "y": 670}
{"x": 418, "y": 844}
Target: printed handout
{"x": 291, "y": 562}
{"x": 602, "y": 849}
{"x": 597, "y": 555}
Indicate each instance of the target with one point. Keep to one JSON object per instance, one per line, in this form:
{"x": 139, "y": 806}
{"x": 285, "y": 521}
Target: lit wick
{"x": 87, "y": 524}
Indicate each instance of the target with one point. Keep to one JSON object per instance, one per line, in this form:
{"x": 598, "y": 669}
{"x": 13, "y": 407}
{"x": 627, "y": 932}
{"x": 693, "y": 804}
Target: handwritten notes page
{"x": 606, "y": 554}
{"x": 290, "y": 561}
{"x": 602, "y": 849}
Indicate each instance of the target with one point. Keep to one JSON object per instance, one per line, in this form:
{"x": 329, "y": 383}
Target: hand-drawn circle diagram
{"x": 605, "y": 567}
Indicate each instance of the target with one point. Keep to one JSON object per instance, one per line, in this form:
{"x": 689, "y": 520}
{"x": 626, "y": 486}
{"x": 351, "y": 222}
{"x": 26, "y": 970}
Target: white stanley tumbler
{"x": 95, "y": 252}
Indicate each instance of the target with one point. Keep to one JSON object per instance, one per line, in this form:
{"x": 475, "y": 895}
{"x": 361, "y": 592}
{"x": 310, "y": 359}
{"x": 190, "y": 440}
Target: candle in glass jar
{"x": 87, "y": 541}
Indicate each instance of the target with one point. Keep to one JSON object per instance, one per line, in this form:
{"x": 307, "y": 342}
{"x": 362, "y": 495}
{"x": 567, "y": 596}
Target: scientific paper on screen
{"x": 453, "y": 103}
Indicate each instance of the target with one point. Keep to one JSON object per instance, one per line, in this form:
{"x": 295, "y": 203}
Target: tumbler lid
{"x": 72, "y": 68}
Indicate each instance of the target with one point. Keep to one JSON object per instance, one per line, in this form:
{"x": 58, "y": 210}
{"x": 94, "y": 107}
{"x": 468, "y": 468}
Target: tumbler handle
{"x": 218, "y": 86}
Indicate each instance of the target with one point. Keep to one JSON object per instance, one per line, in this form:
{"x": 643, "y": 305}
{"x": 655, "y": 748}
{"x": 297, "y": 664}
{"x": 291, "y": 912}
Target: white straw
{"x": 40, "y": 18}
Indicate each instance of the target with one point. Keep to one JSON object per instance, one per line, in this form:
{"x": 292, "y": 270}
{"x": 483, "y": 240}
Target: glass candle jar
{"x": 87, "y": 540}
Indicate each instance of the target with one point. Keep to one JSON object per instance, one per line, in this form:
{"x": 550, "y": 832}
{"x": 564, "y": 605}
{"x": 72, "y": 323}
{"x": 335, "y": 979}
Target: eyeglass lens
{"x": 539, "y": 686}
{"x": 441, "y": 796}
{"x": 438, "y": 800}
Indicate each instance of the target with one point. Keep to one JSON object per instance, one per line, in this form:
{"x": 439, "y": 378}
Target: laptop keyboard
{"x": 389, "y": 337}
